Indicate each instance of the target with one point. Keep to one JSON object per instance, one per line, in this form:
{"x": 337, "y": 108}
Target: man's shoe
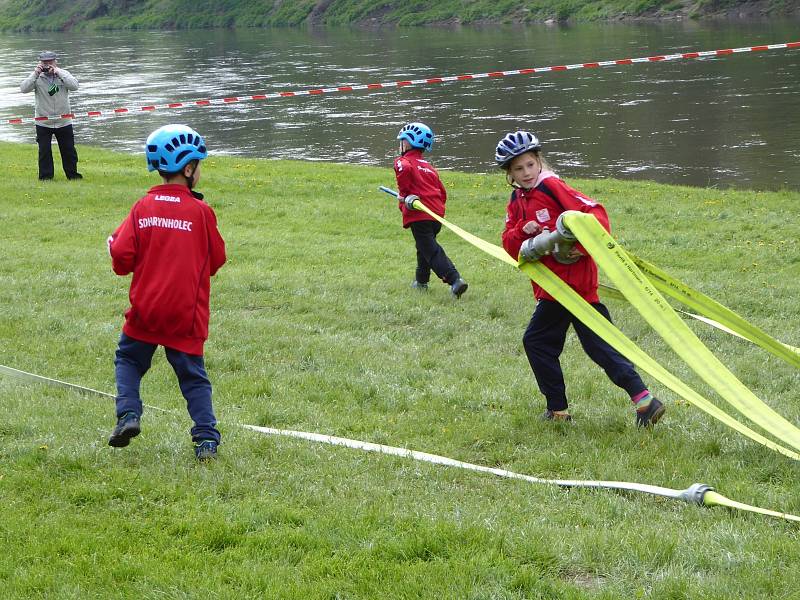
{"x": 650, "y": 415}
{"x": 550, "y": 415}
{"x": 458, "y": 288}
{"x": 205, "y": 450}
{"x": 127, "y": 427}
{"x": 75, "y": 176}
{"x": 420, "y": 287}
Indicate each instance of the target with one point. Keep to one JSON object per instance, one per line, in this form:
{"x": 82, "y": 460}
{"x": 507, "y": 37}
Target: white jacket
{"x": 48, "y": 105}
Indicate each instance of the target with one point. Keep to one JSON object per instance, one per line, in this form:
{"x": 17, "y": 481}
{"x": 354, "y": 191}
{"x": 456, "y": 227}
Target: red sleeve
{"x": 123, "y": 246}
{"x": 215, "y": 241}
{"x": 513, "y": 236}
{"x": 572, "y": 199}
{"x": 404, "y": 175}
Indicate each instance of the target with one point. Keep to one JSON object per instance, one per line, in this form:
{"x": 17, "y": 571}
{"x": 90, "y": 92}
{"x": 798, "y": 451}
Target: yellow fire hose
{"x": 635, "y": 285}
{"x": 641, "y": 293}
{"x": 713, "y": 313}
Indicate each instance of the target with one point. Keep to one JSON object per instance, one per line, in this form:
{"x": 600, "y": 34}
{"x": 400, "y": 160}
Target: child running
{"x": 537, "y": 201}
{"x": 418, "y": 180}
{"x": 171, "y": 244}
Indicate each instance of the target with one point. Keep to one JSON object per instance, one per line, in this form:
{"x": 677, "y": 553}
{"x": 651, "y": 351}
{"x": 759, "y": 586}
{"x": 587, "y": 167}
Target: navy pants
{"x": 544, "y": 341}
{"x": 430, "y": 255}
{"x": 133, "y": 360}
{"x": 66, "y": 147}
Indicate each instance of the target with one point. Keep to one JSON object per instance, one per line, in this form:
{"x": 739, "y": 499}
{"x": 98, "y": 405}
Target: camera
{"x": 47, "y": 69}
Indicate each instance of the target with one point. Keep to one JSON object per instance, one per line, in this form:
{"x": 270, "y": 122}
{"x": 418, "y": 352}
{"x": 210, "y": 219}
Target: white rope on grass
{"x": 697, "y": 493}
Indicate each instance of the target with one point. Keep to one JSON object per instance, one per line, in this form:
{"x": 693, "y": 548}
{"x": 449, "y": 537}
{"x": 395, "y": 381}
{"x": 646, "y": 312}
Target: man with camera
{"x": 51, "y": 86}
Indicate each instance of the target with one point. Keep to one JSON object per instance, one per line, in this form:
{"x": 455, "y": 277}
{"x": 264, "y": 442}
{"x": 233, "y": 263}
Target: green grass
{"x": 49, "y": 15}
{"x": 314, "y": 328}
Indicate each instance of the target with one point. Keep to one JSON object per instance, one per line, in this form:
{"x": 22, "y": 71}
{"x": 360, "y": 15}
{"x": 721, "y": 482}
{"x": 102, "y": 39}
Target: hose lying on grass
{"x": 697, "y": 493}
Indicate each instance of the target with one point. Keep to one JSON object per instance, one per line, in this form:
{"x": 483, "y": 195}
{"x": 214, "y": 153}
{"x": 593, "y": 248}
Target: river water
{"x": 728, "y": 122}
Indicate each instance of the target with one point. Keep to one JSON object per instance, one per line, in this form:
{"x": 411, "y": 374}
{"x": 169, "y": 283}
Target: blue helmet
{"x": 172, "y": 147}
{"x": 514, "y": 144}
{"x": 418, "y": 135}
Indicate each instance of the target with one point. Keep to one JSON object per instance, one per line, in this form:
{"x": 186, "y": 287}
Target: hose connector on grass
{"x": 695, "y": 493}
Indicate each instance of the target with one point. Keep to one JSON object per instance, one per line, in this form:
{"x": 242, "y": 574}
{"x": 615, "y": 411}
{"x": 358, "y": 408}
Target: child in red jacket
{"x": 418, "y": 180}
{"x": 536, "y": 203}
{"x": 171, "y": 244}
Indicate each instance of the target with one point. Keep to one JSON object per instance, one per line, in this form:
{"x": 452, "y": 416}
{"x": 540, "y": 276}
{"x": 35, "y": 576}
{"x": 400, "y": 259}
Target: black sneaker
{"x": 458, "y": 288}
{"x": 74, "y": 176}
{"x": 127, "y": 427}
{"x": 549, "y": 415}
{"x": 205, "y": 450}
{"x": 650, "y": 415}
{"x": 420, "y": 287}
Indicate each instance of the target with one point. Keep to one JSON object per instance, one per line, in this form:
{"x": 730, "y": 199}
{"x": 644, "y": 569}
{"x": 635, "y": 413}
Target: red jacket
{"x": 543, "y": 203}
{"x": 171, "y": 244}
{"x": 416, "y": 175}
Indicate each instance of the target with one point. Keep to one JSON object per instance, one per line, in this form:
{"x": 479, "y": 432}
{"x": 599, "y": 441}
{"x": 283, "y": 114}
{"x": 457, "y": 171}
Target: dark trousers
{"x": 66, "y": 147}
{"x": 544, "y": 340}
{"x": 430, "y": 255}
{"x": 133, "y": 359}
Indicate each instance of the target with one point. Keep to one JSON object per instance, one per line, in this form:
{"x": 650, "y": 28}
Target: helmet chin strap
{"x": 190, "y": 184}
{"x": 189, "y": 180}
{"x": 513, "y": 183}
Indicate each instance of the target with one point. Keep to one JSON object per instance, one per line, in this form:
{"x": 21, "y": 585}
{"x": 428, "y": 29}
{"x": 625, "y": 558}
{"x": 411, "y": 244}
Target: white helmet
{"x": 514, "y": 144}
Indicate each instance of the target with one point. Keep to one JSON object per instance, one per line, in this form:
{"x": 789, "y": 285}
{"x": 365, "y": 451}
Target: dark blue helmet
{"x": 514, "y": 144}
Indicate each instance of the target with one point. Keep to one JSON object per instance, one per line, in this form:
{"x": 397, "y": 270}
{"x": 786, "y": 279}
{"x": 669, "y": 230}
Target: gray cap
{"x": 47, "y": 55}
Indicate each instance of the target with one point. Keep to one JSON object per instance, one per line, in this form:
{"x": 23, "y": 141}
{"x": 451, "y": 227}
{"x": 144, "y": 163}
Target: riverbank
{"x": 314, "y": 328}
{"x": 67, "y": 15}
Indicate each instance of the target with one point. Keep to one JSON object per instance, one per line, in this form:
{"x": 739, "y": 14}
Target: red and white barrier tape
{"x": 404, "y": 83}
